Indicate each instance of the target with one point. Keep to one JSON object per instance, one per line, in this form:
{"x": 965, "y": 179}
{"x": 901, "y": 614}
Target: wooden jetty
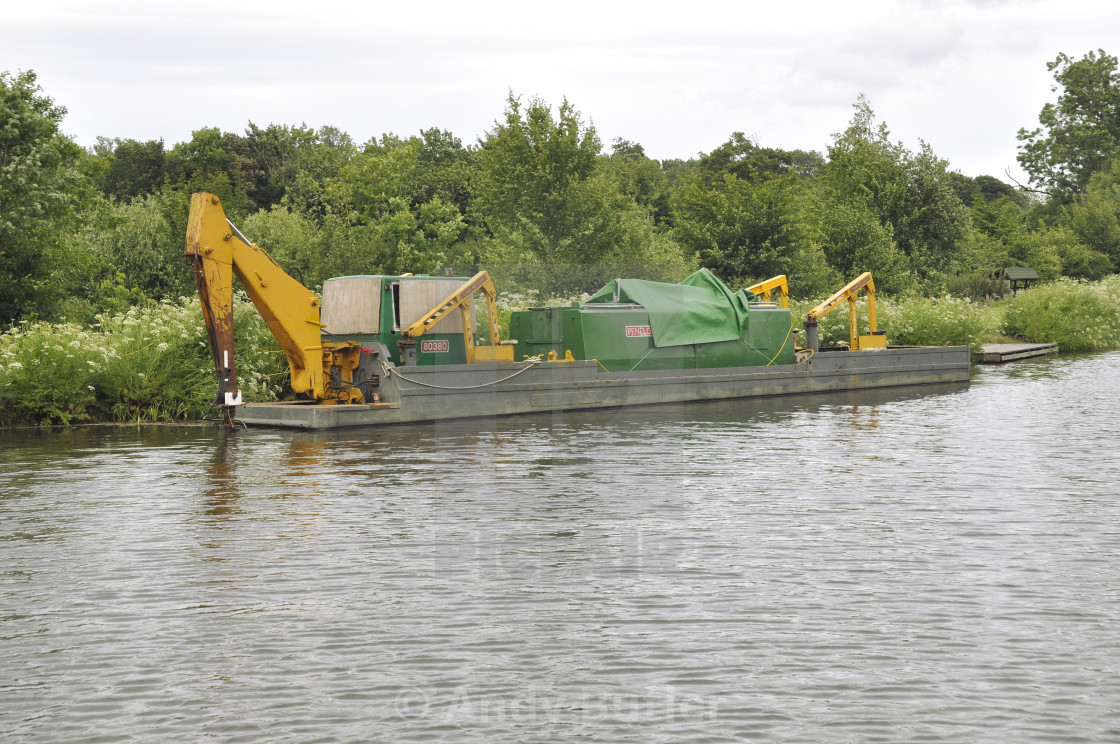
{"x": 1000, "y": 353}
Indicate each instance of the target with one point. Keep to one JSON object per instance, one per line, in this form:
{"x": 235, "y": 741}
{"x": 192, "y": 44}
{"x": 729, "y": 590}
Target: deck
{"x": 1000, "y": 353}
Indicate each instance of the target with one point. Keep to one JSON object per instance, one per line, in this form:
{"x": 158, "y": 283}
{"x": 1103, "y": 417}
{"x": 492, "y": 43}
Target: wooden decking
{"x": 1000, "y": 353}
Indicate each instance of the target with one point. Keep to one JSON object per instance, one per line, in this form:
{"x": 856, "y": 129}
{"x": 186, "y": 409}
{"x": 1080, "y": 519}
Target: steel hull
{"x": 416, "y": 394}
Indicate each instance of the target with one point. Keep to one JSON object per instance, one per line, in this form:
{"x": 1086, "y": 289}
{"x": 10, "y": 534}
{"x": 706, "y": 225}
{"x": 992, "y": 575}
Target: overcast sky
{"x": 677, "y": 77}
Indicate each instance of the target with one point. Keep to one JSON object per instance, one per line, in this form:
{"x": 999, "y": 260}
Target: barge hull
{"x": 419, "y": 394}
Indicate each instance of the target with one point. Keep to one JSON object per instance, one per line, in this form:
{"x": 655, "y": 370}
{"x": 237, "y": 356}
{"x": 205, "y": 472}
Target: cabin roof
{"x": 1018, "y": 273}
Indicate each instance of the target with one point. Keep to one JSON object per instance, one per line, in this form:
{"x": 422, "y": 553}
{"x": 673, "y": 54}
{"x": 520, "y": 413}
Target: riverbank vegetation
{"x": 1076, "y": 315}
{"x": 91, "y": 241}
{"x": 146, "y": 363}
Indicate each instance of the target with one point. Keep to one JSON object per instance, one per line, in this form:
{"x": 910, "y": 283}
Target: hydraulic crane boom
{"x": 218, "y": 252}
{"x": 849, "y": 292}
{"x": 777, "y": 283}
{"x": 460, "y": 299}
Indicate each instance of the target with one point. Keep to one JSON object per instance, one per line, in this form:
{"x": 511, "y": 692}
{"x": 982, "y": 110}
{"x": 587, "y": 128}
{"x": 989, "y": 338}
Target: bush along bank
{"x": 1076, "y": 315}
{"x": 149, "y": 363}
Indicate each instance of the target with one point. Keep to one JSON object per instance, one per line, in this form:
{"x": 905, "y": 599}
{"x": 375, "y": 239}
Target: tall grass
{"x": 1075, "y": 314}
{"x": 150, "y": 362}
{"x": 975, "y": 286}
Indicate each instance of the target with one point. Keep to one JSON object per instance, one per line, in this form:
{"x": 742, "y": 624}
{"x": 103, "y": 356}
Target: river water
{"x": 925, "y": 566}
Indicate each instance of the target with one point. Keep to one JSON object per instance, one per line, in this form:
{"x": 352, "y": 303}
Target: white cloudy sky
{"x": 678, "y": 77}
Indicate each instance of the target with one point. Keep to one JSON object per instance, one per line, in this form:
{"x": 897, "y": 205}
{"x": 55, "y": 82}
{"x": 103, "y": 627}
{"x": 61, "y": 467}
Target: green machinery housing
{"x": 633, "y": 324}
{"x": 630, "y": 324}
{"x": 378, "y": 309}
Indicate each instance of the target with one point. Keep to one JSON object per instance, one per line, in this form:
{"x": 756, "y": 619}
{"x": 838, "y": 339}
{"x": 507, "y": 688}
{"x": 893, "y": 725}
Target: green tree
{"x": 744, "y": 231}
{"x": 143, "y": 242}
{"x": 206, "y": 163}
{"x": 913, "y": 195}
{"x": 319, "y": 165}
{"x": 990, "y": 188}
{"x": 677, "y": 172}
{"x": 934, "y": 222}
{"x": 401, "y": 239}
{"x": 744, "y": 158}
{"x": 376, "y": 217}
{"x": 1000, "y": 219}
{"x": 1080, "y": 133}
{"x": 535, "y": 185}
{"x": 42, "y": 188}
{"x": 1077, "y": 259}
{"x": 444, "y": 169}
{"x": 548, "y": 198}
{"x": 551, "y": 202}
{"x": 1095, "y": 216}
{"x": 133, "y": 168}
{"x": 384, "y": 170}
{"x": 641, "y": 178}
{"x": 270, "y": 159}
{"x": 855, "y": 240}
{"x": 865, "y": 166}
{"x": 292, "y": 238}
{"x": 863, "y": 196}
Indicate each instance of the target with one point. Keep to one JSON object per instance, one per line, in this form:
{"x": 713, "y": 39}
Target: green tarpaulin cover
{"x": 699, "y": 310}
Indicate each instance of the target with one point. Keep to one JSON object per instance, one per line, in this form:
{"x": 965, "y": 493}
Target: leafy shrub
{"x": 975, "y": 286}
{"x": 1076, "y": 315}
{"x": 150, "y": 362}
{"x": 907, "y": 321}
{"x": 932, "y": 321}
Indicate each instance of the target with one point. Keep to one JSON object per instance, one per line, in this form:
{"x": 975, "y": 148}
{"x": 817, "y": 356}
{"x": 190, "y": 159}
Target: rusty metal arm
{"x": 778, "y": 283}
{"x": 849, "y": 292}
{"x": 218, "y": 252}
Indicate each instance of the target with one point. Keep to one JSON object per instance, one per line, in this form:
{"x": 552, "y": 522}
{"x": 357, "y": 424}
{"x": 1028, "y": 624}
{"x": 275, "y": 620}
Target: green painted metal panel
{"x": 621, "y": 339}
{"x": 431, "y": 349}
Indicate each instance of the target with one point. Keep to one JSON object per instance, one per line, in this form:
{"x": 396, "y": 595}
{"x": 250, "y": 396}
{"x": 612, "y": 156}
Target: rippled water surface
{"x": 926, "y": 566}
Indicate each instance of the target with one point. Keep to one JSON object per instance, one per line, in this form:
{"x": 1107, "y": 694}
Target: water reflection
{"x": 220, "y": 496}
{"x": 912, "y": 564}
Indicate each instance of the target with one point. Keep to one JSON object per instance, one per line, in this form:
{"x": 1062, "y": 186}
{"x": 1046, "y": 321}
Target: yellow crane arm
{"x": 779, "y": 283}
{"x": 850, "y": 292}
{"x": 218, "y": 252}
{"x": 460, "y": 300}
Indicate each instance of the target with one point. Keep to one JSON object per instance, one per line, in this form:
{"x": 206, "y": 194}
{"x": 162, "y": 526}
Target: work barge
{"x": 384, "y": 350}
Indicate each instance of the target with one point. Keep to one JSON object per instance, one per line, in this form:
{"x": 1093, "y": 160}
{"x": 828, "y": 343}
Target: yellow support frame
{"x": 460, "y": 300}
{"x": 850, "y": 292}
{"x": 764, "y": 289}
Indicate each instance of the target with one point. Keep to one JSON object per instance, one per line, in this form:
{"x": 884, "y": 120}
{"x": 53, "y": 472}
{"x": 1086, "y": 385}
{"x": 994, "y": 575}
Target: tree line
{"x": 539, "y": 198}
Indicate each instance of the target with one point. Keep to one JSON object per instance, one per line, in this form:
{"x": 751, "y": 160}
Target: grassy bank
{"x": 1076, "y": 315}
{"x": 151, "y": 363}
